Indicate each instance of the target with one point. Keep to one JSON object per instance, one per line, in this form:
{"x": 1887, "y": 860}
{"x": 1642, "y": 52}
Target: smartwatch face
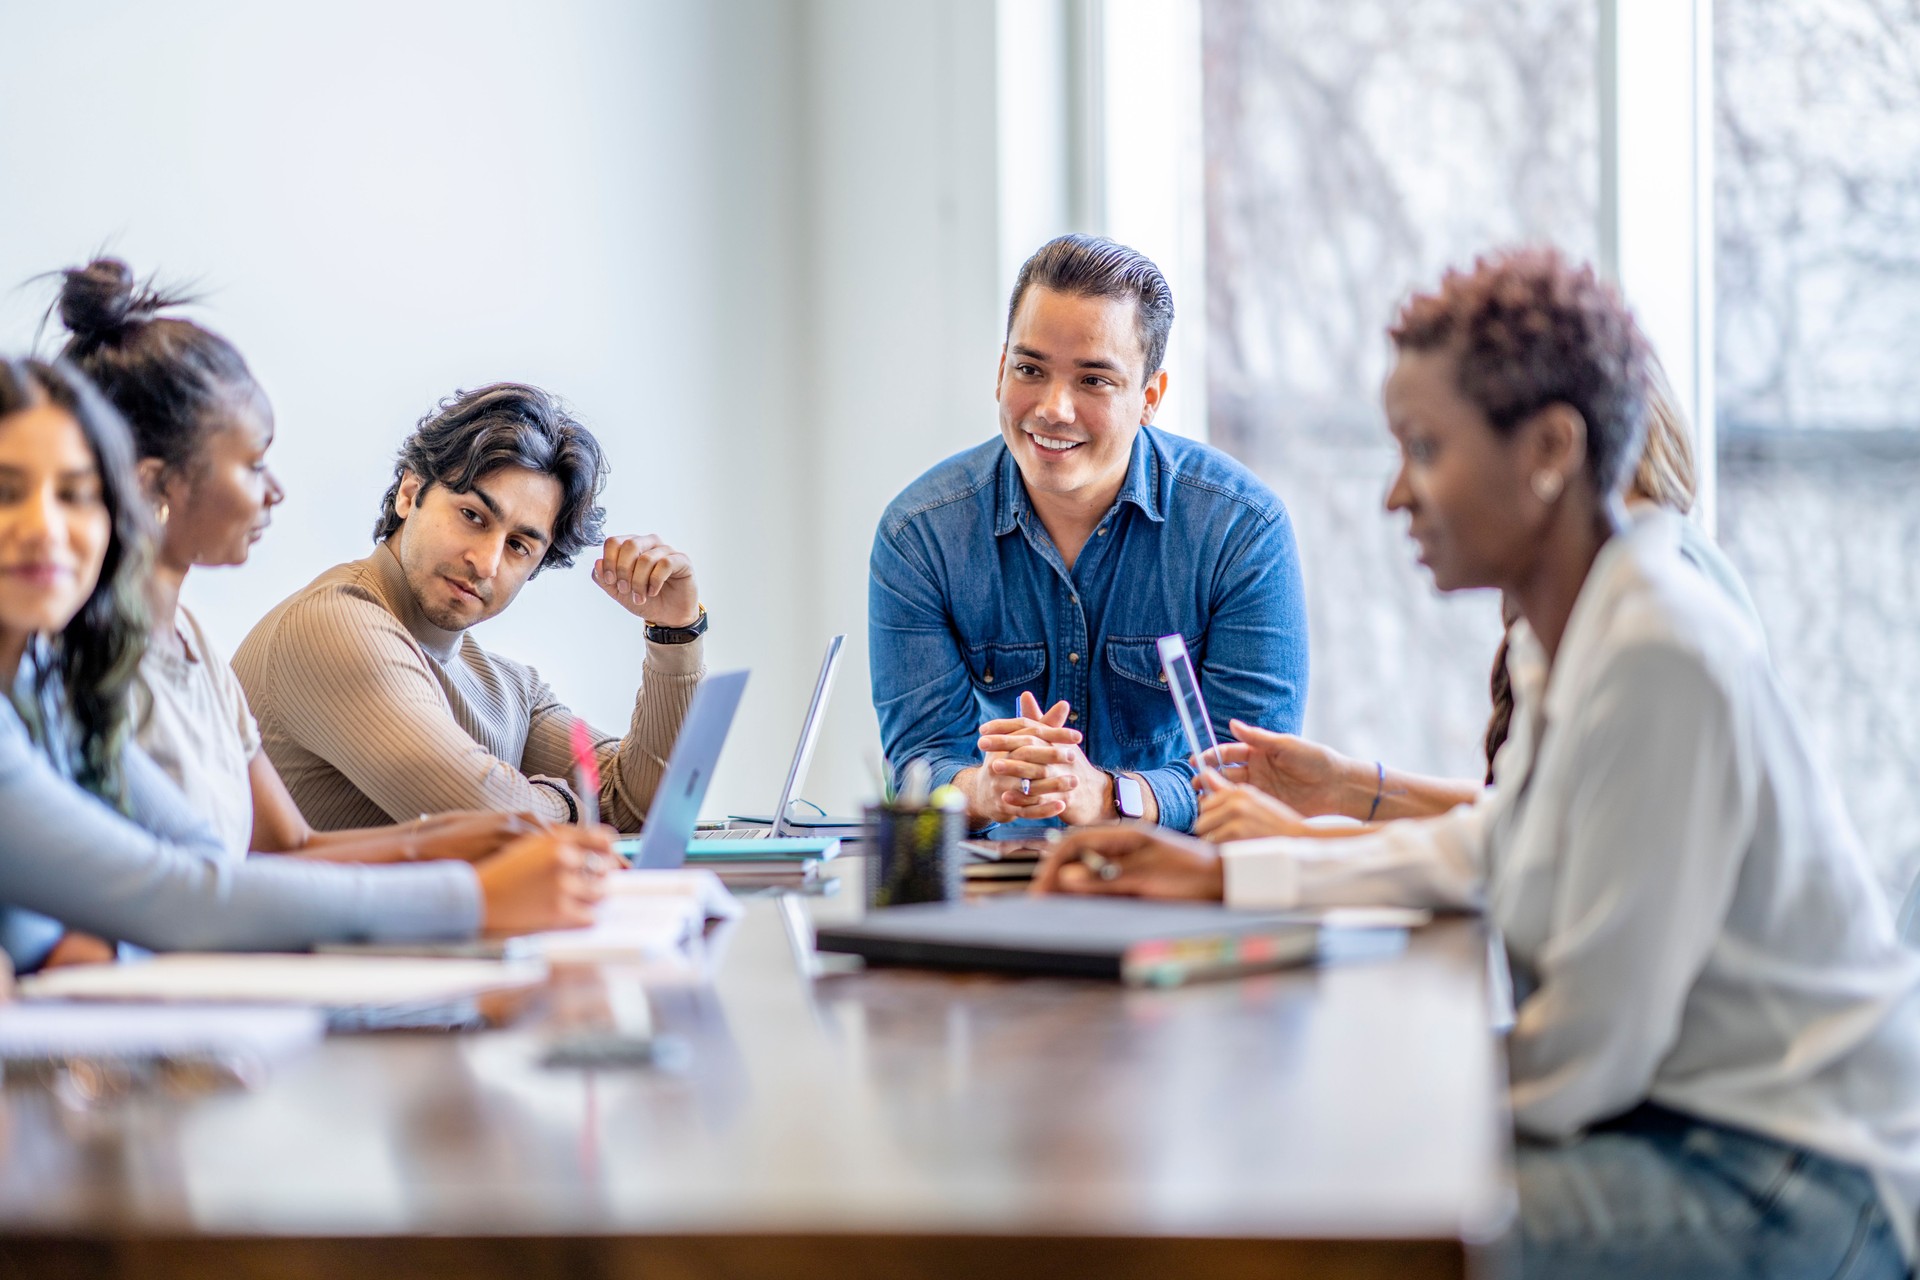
{"x": 1126, "y": 796}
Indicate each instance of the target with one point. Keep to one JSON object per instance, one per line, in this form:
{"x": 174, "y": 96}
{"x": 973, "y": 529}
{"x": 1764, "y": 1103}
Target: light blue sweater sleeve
{"x": 158, "y": 880}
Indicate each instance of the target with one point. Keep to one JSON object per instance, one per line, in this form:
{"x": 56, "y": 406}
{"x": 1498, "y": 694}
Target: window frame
{"x": 1108, "y": 131}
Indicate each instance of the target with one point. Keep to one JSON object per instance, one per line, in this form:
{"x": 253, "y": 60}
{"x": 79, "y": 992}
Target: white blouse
{"x": 1688, "y": 913}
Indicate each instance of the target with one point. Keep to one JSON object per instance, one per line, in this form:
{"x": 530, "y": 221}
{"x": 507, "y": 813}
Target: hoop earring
{"x": 1546, "y": 485}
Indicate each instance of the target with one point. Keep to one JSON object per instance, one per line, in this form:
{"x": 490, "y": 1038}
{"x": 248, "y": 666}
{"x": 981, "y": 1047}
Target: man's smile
{"x": 1052, "y": 444}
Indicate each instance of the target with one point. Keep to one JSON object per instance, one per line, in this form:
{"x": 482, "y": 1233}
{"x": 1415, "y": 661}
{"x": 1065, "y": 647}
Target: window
{"x": 1353, "y": 151}
{"x": 1817, "y": 243}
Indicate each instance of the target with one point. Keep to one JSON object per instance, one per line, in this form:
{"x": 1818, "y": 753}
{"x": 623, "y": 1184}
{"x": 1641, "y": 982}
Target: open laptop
{"x": 782, "y": 824}
{"x": 662, "y": 841}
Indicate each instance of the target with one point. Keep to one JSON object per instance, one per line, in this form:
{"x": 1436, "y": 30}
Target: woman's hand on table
{"x": 1132, "y": 860}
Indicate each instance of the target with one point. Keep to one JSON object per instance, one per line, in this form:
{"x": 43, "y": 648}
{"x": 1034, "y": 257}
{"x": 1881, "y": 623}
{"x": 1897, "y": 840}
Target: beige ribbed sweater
{"x": 372, "y": 714}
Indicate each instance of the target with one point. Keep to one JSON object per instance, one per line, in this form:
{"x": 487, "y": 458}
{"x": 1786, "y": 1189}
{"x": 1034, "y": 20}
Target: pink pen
{"x": 586, "y": 774}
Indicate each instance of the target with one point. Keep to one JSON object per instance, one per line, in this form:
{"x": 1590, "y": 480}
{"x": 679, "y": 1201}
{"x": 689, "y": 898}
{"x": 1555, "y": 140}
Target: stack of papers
{"x": 42, "y": 1031}
{"x": 320, "y": 981}
{"x": 645, "y": 914}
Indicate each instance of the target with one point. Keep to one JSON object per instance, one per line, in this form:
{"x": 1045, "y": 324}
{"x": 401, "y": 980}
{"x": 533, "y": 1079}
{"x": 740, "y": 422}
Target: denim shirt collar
{"x": 1147, "y": 485}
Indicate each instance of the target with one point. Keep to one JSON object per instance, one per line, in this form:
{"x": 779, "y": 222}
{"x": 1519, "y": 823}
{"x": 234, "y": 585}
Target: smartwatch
{"x": 679, "y": 635}
{"x": 1129, "y": 799}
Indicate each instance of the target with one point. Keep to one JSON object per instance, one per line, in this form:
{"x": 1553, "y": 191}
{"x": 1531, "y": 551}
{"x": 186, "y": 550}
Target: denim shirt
{"x": 970, "y": 604}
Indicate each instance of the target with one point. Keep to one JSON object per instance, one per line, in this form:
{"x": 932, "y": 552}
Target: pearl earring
{"x": 1546, "y": 485}
{"x": 161, "y": 513}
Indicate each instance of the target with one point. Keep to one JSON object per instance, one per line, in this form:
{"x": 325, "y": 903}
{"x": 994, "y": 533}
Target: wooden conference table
{"x": 1336, "y": 1122}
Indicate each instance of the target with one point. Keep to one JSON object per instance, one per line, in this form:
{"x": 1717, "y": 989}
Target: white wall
{"x": 754, "y": 243}
{"x": 384, "y": 203}
{"x": 901, "y": 300}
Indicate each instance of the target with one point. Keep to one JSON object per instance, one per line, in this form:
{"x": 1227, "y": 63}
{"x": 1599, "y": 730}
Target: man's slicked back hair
{"x": 507, "y": 424}
{"x": 1095, "y": 267}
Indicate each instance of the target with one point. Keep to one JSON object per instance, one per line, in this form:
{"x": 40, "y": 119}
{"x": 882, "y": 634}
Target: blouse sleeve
{"x": 158, "y": 881}
{"x": 1424, "y": 862}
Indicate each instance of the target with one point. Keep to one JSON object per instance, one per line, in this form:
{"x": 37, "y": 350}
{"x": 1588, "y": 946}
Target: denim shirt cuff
{"x": 1173, "y": 792}
{"x": 944, "y": 770}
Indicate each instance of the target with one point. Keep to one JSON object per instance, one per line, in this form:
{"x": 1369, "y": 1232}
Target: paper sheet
{"x": 100, "y": 1030}
{"x": 323, "y": 981}
{"x": 645, "y": 914}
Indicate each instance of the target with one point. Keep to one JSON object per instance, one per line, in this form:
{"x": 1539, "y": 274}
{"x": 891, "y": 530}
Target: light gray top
{"x": 191, "y": 716}
{"x": 158, "y": 876}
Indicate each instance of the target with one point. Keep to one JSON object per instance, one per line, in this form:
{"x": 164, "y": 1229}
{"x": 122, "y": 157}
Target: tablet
{"x": 1177, "y": 663}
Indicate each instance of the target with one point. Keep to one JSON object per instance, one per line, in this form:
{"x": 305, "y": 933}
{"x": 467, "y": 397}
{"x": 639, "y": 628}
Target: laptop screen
{"x": 683, "y": 787}
{"x": 809, "y": 735}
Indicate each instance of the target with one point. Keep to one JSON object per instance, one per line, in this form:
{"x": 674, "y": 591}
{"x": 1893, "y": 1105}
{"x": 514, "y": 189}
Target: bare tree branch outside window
{"x": 1817, "y": 218}
{"x": 1354, "y": 150}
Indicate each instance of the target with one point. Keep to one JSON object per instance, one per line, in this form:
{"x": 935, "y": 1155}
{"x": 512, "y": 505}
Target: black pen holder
{"x": 913, "y": 855}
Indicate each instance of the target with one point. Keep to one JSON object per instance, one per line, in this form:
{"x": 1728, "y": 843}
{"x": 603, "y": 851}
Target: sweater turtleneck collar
{"x": 399, "y": 597}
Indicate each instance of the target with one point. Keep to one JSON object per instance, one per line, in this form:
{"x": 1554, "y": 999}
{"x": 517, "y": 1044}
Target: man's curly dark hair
{"x": 507, "y": 424}
{"x": 1530, "y": 329}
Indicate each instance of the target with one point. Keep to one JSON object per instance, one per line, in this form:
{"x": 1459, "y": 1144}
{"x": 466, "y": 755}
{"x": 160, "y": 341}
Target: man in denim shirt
{"x": 1041, "y": 567}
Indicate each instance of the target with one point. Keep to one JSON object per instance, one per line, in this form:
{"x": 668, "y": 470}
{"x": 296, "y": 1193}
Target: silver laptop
{"x": 783, "y": 823}
{"x": 696, "y": 750}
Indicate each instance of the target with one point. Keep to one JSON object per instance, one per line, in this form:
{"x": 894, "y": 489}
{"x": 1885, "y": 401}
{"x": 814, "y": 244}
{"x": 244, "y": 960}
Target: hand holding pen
{"x": 1131, "y": 860}
{"x": 586, "y": 781}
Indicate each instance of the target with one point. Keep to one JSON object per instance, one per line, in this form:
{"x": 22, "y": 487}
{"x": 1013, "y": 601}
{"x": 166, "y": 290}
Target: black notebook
{"x": 1141, "y": 943}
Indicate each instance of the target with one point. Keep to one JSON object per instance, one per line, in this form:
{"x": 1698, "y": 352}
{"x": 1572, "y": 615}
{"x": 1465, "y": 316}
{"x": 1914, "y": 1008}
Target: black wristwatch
{"x": 1129, "y": 801}
{"x": 679, "y": 635}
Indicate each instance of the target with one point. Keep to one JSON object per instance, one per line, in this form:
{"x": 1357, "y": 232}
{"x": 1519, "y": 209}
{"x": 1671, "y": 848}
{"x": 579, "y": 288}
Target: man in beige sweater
{"x": 373, "y": 702}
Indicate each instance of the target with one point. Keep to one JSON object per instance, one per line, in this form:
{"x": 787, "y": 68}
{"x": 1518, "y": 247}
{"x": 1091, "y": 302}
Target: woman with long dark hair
{"x": 96, "y": 838}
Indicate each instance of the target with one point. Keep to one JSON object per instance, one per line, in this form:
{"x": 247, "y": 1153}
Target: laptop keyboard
{"x": 734, "y": 833}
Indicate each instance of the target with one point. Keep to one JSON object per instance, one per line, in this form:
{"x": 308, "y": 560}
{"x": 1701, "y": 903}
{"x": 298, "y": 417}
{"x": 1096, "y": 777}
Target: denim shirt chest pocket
{"x": 1001, "y": 670}
{"x": 1139, "y": 706}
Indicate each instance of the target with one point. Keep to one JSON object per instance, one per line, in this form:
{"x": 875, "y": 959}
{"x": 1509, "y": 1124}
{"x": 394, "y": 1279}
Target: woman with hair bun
{"x": 201, "y": 427}
{"x": 95, "y": 837}
{"x": 1714, "y": 1065}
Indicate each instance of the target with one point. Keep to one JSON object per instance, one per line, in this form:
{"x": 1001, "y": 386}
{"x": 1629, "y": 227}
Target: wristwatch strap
{"x": 566, "y": 797}
{"x": 679, "y": 635}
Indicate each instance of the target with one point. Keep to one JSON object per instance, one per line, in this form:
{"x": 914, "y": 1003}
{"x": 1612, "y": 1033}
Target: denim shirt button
{"x": 988, "y": 677}
{"x": 1073, "y": 657}
{"x": 1074, "y": 716}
